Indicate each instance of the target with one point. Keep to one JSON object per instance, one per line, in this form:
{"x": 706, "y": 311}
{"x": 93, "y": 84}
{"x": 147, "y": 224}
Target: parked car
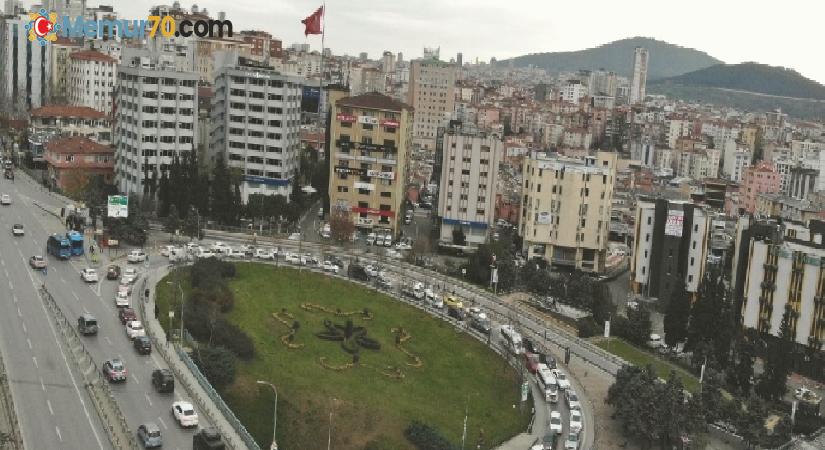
{"x": 575, "y": 420}
{"x": 548, "y": 442}
{"x": 87, "y": 325}
{"x": 387, "y": 240}
{"x": 114, "y": 370}
{"x": 572, "y": 441}
{"x": 134, "y": 329}
{"x": 655, "y": 341}
{"x": 38, "y": 262}
{"x": 384, "y": 282}
{"x": 394, "y": 254}
{"x": 17, "y": 230}
{"x": 163, "y": 381}
{"x": 572, "y": 399}
{"x": 555, "y": 422}
{"x": 122, "y": 299}
{"x": 456, "y": 313}
{"x": 185, "y": 414}
{"x": 166, "y": 250}
{"x": 126, "y": 315}
{"x": 136, "y": 256}
{"x": 149, "y": 435}
{"x": 371, "y": 270}
{"x": 220, "y": 247}
{"x": 142, "y": 345}
{"x": 292, "y": 258}
{"x": 113, "y": 272}
{"x": 371, "y": 239}
{"x": 403, "y": 245}
{"x": 88, "y": 275}
{"x": 205, "y": 253}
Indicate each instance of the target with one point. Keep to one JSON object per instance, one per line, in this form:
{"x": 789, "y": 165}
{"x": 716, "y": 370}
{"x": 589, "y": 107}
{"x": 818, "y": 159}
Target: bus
{"x": 547, "y": 383}
{"x": 513, "y": 339}
{"x": 59, "y": 246}
{"x": 76, "y": 240}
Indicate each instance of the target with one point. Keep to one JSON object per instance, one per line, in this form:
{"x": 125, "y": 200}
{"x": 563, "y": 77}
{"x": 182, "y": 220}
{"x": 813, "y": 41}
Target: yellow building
{"x": 370, "y": 137}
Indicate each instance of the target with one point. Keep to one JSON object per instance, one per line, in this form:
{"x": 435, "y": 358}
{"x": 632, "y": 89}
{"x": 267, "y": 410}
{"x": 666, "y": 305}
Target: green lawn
{"x": 458, "y": 372}
{"x": 631, "y": 354}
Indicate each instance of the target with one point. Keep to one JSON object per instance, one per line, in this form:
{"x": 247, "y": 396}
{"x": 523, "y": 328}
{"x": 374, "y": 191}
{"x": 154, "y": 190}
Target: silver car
{"x": 149, "y": 435}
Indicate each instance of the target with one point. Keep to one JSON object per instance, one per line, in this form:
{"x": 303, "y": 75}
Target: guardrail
{"x": 104, "y": 402}
{"x": 13, "y": 438}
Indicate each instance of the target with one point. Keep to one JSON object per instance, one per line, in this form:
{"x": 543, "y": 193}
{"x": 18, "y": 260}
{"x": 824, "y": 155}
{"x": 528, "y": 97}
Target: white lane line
{"x": 14, "y": 297}
{"x": 147, "y": 398}
{"x": 49, "y": 404}
{"x": 35, "y": 362}
{"x": 75, "y": 295}
{"x": 11, "y": 286}
{"x": 59, "y": 436}
{"x": 109, "y": 341}
{"x": 3, "y": 262}
{"x": 29, "y": 341}
{"x": 134, "y": 377}
{"x": 19, "y": 314}
{"x": 25, "y": 330}
{"x": 163, "y": 423}
{"x": 42, "y": 385}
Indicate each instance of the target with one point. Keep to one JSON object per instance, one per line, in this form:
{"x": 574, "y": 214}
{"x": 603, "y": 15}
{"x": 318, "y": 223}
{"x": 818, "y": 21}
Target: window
{"x": 649, "y": 220}
{"x": 343, "y": 189}
{"x": 647, "y": 238}
{"x": 692, "y": 260}
{"x": 386, "y": 194}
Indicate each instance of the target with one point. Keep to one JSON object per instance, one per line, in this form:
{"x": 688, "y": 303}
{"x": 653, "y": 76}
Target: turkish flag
{"x": 312, "y": 23}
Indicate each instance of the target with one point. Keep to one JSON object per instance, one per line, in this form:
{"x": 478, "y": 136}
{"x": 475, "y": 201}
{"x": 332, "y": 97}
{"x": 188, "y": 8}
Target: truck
{"x": 512, "y": 338}
{"x": 59, "y": 246}
{"x": 76, "y": 240}
{"x": 208, "y": 439}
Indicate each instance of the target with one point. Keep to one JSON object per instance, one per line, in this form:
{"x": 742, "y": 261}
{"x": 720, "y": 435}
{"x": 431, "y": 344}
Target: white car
{"x": 387, "y": 240}
{"x": 371, "y": 239}
{"x": 572, "y": 399}
{"x": 418, "y": 290}
{"x": 264, "y": 253}
{"x": 326, "y": 232}
{"x": 17, "y": 230}
{"x": 88, "y": 275}
{"x": 561, "y": 379}
{"x": 166, "y": 250}
{"x": 572, "y": 441}
{"x": 310, "y": 260}
{"x": 122, "y": 299}
{"x": 134, "y": 328}
{"x": 220, "y": 247}
{"x": 185, "y": 414}
{"x": 5, "y": 199}
{"x": 328, "y": 266}
{"x": 555, "y": 422}
{"x": 192, "y": 247}
{"x": 129, "y": 276}
{"x": 292, "y": 258}
{"x": 403, "y": 245}
{"x": 205, "y": 253}
{"x": 371, "y": 271}
{"x": 575, "y": 420}
{"x": 136, "y": 256}
{"x": 394, "y": 254}
{"x": 294, "y": 237}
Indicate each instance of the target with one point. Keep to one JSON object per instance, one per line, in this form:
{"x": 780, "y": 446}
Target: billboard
{"x": 369, "y": 120}
{"x": 310, "y": 96}
{"x": 544, "y": 218}
{"x": 673, "y": 226}
{"x": 382, "y": 175}
{"x": 118, "y": 206}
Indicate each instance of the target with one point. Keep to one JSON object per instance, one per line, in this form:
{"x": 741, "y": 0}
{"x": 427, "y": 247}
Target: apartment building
{"x": 785, "y": 273}
{"x": 156, "y": 116}
{"x": 72, "y": 121}
{"x": 566, "y": 209}
{"x": 59, "y": 69}
{"x": 370, "y": 141}
{"x": 758, "y": 179}
{"x": 255, "y": 124}
{"x": 207, "y": 48}
{"x": 71, "y": 160}
{"x": 671, "y": 246}
{"x": 639, "y": 83}
{"x": 469, "y": 176}
{"x": 431, "y": 93}
{"x": 24, "y": 68}
{"x": 91, "y": 80}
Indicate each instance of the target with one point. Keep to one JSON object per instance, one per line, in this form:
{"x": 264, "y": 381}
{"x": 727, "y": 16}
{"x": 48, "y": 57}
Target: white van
{"x": 547, "y": 383}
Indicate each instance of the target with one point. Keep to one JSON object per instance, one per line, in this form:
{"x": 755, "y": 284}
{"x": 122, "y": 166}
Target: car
{"x": 387, "y": 240}
{"x": 205, "y": 253}
{"x": 125, "y": 287}
{"x": 136, "y": 256}
{"x": 407, "y": 220}
{"x": 555, "y": 422}
{"x": 329, "y": 266}
{"x": 237, "y": 253}
{"x": 453, "y": 302}
{"x": 403, "y": 245}
{"x": 163, "y": 381}
{"x": 208, "y": 438}
{"x": 572, "y": 441}
{"x": 294, "y": 237}
{"x": 122, "y": 299}
{"x": 114, "y": 370}
{"x": 166, "y": 250}
{"x": 575, "y": 420}
{"x": 134, "y": 328}
{"x": 126, "y": 315}
{"x": 5, "y": 200}
{"x": 292, "y": 258}
{"x": 548, "y": 442}
{"x": 531, "y": 362}
{"x": 130, "y": 275}
{"x": 310, "y": 260}
{"x": 113, "y": 272}
{"x": 88, "y": 275}
{"x": 149, "y": 435}
{"x": 220, "y": 247}
{"x": 87, "y": 325}
{"x": 456, "y": 313}
{"x": 561, "y": 379}
{"x": 371, "y": 239}
{"x": 371, "y": 270}
{"x": 38, "y": 262}
{"x": 395, "y": 254}
{"x": 384, "y": 282}
{"x": 655, "y": 341}
{"x": 142, "y": 345}
{"x": 481, "y": 323}
{"x": 265, "y": 254}
{"x": 326, "y": 232}
{"x": 17, "y": 230}
{"x": 185, "y": 414}
{"x": 572, "y": 399}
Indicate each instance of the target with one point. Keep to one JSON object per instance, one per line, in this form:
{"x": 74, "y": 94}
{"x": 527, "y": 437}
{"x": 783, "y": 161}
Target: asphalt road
{"x": 54, "y": 409}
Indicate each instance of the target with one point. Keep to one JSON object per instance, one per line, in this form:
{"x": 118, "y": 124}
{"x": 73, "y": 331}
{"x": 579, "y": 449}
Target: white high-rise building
{"x": 91, "y": 80}
{"x": 255, "y": 124}
{"x": 469, "y": 177}
{"x": 156, "y": 115}
{"x": 639, "y": 83}
{"x": 431, "y": 93}
{"x": 25, "y": 68}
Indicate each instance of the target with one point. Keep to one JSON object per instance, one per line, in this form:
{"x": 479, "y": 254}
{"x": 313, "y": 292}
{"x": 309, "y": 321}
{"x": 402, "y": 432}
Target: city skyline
{"x": 488, "y": 29}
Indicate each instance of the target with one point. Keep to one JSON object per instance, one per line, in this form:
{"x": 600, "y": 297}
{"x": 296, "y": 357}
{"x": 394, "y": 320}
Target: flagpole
{"x": 321, "y": 77}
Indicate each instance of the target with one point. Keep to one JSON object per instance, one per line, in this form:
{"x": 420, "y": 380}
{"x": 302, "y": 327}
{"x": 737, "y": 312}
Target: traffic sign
{"x": 118, "y": 206}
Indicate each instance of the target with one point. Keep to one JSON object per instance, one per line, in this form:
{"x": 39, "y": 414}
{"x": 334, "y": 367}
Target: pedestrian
{"x": 45, "y": 270}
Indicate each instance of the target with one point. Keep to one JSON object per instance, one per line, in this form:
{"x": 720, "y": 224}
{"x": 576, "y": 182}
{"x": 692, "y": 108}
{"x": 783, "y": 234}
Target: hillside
{"x": 666, "y": 60}
{"x": 752, "y": 77}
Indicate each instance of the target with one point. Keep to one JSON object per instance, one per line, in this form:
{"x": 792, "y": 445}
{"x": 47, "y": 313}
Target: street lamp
{"x": 180, "y": 289}
{"x": 274, "y": 445}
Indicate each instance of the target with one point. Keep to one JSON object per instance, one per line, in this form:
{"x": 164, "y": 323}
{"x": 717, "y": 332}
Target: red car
{"x": 126, "y": 315}
{"x": 531, "y": 362}
{"x": 114, "y": 370}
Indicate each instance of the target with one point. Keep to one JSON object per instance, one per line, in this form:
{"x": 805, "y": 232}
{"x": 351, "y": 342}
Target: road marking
{"x": 109, "y": 341}
{"x": 11, "y": 286}
{"x": 76, "y": 296}
{"x": 19, "y": 314}
{"x": 14, "y": 297}
{"x": 35, "y": 362}
{"x": 25, "y": 330}
{"x": 42, "y": 385}
{"x": 49, "y": 404}
{"x": 29, "y": 341}
{"x": 3, "y": 262}
{"x": 163, "y": 423}
{"x": 59, "y": 436}
{"x": 134, "y": 377}
{"x": 147, "y": 398}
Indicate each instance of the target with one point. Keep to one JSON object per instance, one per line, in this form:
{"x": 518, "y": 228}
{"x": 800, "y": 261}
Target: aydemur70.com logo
{"x": 45, "y": 27}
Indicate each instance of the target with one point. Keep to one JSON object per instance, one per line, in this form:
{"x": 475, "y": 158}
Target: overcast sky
{"x": 778, "y": 33}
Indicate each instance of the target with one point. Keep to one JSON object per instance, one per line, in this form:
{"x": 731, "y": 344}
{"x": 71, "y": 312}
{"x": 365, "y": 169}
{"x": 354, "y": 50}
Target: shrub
{"x": 219, "y": 296}
{"x": 588, "y": 327}
{"x": 427, "y": 437}
{"x": 217, "y": 365}
{"x": 233, "y": 338}
{"x": 209, "y": 272}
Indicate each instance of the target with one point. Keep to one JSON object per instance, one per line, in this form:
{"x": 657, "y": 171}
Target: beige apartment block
{"x": 370, "y": 138}
{"x": 431, "y": 93}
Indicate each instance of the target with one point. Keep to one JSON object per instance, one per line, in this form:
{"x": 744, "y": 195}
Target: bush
{"x": 217, "y": 364}
{"x": 219, "y": 296}
{"x": 233, "y": 338}
{"x": 209, "y": 272}
{"x": 589, "y": 328}
{"x": 427, "y": 437}
{"x": 197, "y": 319}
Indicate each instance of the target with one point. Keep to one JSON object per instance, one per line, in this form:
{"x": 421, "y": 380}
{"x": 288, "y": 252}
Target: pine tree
{"x": 677, "y": 316}
{"x": 772, "y": 383}
{"x": 705, "y": 314}
{"x": 222, "y": 192}
{"x": 164, "y": 194}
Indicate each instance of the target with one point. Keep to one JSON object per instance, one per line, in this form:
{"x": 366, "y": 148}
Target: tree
{"x": 677, "y": 316}
{"x": 706, "y": 312}
{"x": 164, "y": 194}
{"x": 222, "y": 206}
{"x": 341, "y": 225}
{"x": 459, "y": 238}
{"x": 217, "y": 364}
{"x": 740, "y": 373}
{"x": 75, "y": 182}
{"x": 172, "y": 222}
{"x": 639, "y": 325}
{"x": 772, "y": 384}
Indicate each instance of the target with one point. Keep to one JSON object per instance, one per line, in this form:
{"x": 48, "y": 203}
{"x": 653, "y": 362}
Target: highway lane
{"x": 52, "y": 405}
{"x": 137, "y": 399}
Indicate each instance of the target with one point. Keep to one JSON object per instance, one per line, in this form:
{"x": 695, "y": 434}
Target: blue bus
{"x": 76, "y": 240}
{"x": 59, "y": 246}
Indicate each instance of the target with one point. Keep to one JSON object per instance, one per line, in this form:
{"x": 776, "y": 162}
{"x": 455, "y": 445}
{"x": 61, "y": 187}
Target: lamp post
{"x": 180, "y": 289}
{"x": 274, "y": 445}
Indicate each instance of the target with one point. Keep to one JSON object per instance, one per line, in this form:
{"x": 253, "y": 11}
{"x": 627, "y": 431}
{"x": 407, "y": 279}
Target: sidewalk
{"x": 541, "y": 417}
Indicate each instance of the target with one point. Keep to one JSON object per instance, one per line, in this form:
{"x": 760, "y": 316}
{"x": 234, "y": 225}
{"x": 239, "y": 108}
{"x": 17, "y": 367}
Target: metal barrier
{"x": 107, "y": 408}
{"x": 14, "y": 438}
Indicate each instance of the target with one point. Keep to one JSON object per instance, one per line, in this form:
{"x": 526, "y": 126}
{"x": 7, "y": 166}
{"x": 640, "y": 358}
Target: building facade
{"x": 758, "y": 179}
{"x": 25, "y": 68}
{"x": 671, "y": 247}
{"x": 431, "y": 93}
{"x": 566, "y": 209}
{"x": 73, "y": 160}
{"x": 639, "y": 83}
{"x": 469, "y": 176}
{"x": 72, "y": 121}
{"x": 255, "y": 125}
{"x": 370, "y": 140}
{"x": 91, "y": 80}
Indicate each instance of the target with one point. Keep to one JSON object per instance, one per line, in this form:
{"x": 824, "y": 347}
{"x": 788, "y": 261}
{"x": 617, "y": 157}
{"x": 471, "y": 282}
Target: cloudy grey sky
{"x": 784, "y": 33}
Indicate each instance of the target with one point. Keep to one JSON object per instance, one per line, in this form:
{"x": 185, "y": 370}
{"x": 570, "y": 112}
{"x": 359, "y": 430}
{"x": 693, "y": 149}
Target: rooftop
{"x": 374, "y": 100}
{"x": 77, "y": 144}
{"x": 91, "y": 55}
{"x": 83, "y": 112}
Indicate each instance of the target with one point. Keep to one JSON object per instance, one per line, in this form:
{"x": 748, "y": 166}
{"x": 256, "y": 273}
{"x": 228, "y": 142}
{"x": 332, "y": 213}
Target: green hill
{"x": 752, "y": 77}
{"x": 666, "y": 60}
